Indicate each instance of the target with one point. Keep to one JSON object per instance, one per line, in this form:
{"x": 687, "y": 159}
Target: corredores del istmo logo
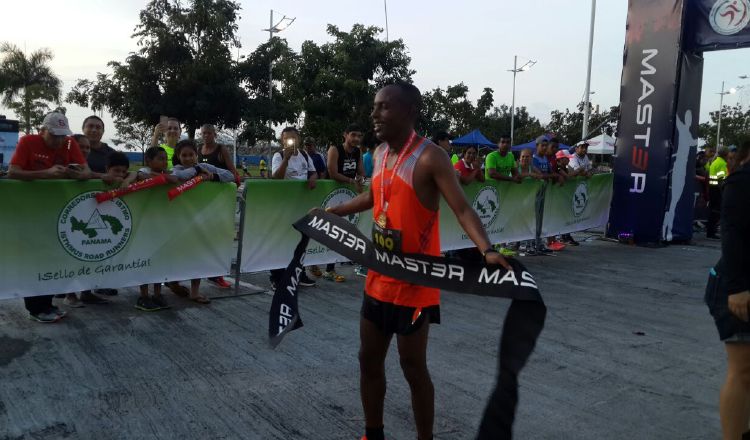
{"x": 487, "y": 205}
{"x": 91, "y": 231}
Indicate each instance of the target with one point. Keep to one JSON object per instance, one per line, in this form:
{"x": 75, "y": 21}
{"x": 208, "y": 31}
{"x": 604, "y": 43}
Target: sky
{"x": 472, "y": 41}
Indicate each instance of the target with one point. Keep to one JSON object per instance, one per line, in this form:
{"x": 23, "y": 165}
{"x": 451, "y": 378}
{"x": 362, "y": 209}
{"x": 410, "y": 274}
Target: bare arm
{"x": 18, "y": 173}
{"x": 497, "y": 176}
{"x": 362, "y": 202}
{"x": 441, "y": 171}
{"x": 229, "y": 160}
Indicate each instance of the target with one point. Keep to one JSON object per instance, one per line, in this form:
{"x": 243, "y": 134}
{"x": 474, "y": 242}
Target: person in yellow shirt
{"x": 717, "y": 172}
{"x": 171, "y": 129}
{"x": 263, "y": 168}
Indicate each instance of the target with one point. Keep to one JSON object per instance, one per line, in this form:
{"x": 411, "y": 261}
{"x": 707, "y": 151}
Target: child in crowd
{"x": 187, "y": 167}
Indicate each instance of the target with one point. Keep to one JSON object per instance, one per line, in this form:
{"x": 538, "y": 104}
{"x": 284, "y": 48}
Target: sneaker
{"x": 543, "y": 250}
{"x": 220, "y": 282}
{"x": 146, "y": 305}
{"x": 45, "y": 318}
{"x": 57, "y": 311}
{"x": 304, "y": 280}
{"x": 530, "y": 252}
{"x": 505, "y": 252}
{"x": 73, "y": 301}
{"x": 555, "y": 245}
{"x": 160, "y": 302}
{"x": 315, "y": 271}
{"x": 333, "y": 276}
{"x": 360, "y": 271}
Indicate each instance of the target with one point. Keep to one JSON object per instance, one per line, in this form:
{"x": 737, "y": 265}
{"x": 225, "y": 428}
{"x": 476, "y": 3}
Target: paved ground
{"x": 629, "y": 352}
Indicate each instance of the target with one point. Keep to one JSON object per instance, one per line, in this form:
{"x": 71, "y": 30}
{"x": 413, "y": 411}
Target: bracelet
{"x": 487, "y": 251}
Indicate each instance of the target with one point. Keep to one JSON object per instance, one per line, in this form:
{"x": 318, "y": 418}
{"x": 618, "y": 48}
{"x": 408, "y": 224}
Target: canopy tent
{"x": 474, "y": 138}
{"x": 602, "y": 144}
{"x": 532, "y": 145}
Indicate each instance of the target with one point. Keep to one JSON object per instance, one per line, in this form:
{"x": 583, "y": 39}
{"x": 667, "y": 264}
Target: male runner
{"x": 410, "y": 174}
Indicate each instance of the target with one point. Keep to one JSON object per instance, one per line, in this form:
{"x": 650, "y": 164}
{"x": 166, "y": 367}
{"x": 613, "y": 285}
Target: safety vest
{"x": 717, "y": 171}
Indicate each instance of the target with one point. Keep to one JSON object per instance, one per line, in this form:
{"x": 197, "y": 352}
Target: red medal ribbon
{"x": 133, "y": 187}
{"x": 187, "y": 186}
{"x": 384, "y": 196}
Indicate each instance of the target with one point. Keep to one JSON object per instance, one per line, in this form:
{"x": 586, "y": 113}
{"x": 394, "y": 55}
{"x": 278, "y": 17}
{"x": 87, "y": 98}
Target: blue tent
{"x": 532, "y": 145}
{"x": 474, "y": 138}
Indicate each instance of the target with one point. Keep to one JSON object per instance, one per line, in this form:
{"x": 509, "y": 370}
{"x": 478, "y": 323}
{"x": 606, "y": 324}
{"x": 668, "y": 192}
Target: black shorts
{"x": 731, "y": 328}
{"x": 392, "y": 318}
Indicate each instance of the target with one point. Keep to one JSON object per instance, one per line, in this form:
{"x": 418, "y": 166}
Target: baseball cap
{"x": 57, "y": 124}
{"x": 582, "y": 143}
{"x": 562, "y": 153}
{"x": 541, "y": 140}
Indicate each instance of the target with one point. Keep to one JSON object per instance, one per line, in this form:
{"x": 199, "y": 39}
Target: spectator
{"x": 717, "y": 172}
{"x": 562, "y": 159}
{"x": 293, "y": 163}
{"x": 443, "y": 139}
{"x": 51, "y": 154}
{"x": 540, "y": 160}
{"x": 213, "y": 153}
{"x": 367, "y": 161}
{"x": 580, "y": 164}
{"x": 525, "y": 167}
{"x": 84, "y": 145}
{"x": 263, "y": 168}
{"x": 469, "y": 169}
{"x": 171, "y": 130}
{"x": 317, "y": 158}
{"x": 500, "y": 164}
{"x": 344, "y": 166}
{"x": 217, "y": 156}
{"x": 553, "y": 146}
{"x": 188, "y": 166}
{"x": 244, "y": 168}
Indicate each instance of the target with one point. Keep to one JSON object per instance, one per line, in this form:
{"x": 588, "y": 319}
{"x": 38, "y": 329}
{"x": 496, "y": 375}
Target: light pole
{"x": 586, "y": 111}
{"x": 721, "y": 110}
{"x": 515, "y": 70}
{"x": 284, "y": 23}
{"x": 385, "y": 6}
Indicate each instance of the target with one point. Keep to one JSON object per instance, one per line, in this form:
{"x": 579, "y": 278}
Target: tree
{"x": 183, "y": 69}
{"x": 28, "y": 84}
{"x": 735, "y": 124}
{"x": 568, "y": 126}
{"x": 336, "y": 82}
{"x": 90, "y": 94}
{"x": 253, "y": 74}
{"x": 133, "y": 136}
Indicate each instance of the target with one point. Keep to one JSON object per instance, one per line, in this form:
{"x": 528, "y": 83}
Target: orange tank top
{"x": 419, "y": 226}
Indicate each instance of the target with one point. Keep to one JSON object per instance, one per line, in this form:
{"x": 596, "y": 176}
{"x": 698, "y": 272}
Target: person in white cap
{"x": 580, "y": 164}
{"x": 51, "y": 154}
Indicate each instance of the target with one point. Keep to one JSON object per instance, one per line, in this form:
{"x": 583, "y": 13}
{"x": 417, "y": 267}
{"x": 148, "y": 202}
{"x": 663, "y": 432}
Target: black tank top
{"x": 213, "y": 158}
{"x": 348, "y": 162}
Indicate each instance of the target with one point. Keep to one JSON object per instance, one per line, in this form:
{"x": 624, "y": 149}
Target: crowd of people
{"x": 57, "y": 153}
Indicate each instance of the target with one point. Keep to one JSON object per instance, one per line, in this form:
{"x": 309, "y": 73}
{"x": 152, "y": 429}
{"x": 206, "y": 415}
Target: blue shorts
{"x": 731, "y": 328}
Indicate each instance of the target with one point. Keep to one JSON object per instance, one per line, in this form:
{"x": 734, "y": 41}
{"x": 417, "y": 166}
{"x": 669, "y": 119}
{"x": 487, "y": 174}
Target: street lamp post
{"x": 721, "y": 110}
{"x": 272, "y": 29}
{"x": 586, "y": 111}
{"x": 515, "y": 70}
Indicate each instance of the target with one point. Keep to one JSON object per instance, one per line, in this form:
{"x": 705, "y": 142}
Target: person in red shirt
{"x": 51, "y": 154}
{"x": 410, "y": 176}
{"x": 468, "y": 167}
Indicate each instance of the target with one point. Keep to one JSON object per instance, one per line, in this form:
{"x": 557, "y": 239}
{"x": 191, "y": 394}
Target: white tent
{"x": 602, "y": 144}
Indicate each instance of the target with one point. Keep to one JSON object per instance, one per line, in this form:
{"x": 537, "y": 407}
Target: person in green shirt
{"x": 500, "y": 164}
{"x": 171, "y": 130}
{"x": 717, "y": 172}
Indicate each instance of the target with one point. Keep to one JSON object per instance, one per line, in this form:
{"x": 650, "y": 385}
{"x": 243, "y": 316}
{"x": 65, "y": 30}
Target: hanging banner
{"x": 648, "y": 97}
{"x": 717, "y": 24}
{"x": 577, "y": 205}
{"x": 678, "y": 219}
{"x": 506, "y": 210}
{"x": 56, "y": 238}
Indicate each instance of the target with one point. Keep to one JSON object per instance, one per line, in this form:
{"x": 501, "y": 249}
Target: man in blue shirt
{"x": 539, "y": 160}
{"x": 317, "y": 158}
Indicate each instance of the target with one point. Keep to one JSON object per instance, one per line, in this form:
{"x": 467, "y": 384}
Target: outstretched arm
{"x": 362, "y": 202}
{"x": 442, "y": 174}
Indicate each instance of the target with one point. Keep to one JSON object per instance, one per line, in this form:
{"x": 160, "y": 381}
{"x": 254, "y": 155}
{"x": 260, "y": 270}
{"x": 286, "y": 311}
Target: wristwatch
{"x": 487, "y": 251}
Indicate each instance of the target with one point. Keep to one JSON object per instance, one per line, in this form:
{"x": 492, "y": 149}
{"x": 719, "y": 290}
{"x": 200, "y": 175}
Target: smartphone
{"x": 163, "y": 121}
{"x": 75, "y": 166}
